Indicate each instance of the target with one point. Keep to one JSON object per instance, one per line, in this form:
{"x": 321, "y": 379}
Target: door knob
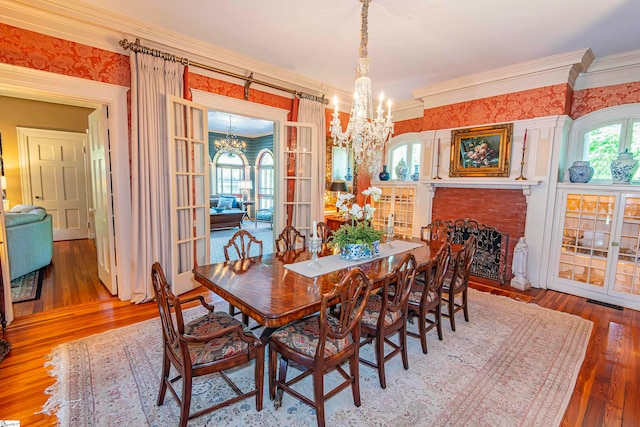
{"x": 38, "y": 198}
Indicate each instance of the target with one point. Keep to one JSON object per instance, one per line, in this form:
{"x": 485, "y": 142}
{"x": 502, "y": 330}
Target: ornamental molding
{"x": 611, "y": 70}
{"x": 548, "y": 71}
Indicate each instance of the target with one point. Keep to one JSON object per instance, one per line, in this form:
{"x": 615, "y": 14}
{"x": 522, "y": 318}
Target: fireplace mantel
{"x": 492, "y": 183}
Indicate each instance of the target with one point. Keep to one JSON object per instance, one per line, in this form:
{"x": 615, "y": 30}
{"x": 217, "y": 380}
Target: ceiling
{"x": 412, "y": 43}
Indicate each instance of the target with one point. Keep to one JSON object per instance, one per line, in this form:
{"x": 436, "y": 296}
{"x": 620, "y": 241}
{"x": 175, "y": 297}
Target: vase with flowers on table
{"x": 358, "y": 239}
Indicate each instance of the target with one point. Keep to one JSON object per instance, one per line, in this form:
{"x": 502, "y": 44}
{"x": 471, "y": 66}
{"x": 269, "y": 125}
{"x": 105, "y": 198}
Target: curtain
{"x": 152, "y": 80}
{"x": 313, "y": 112}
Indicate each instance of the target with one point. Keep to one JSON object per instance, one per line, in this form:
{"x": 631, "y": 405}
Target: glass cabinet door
{"x": 586, "y": 239}
{"x": 627, "y": 266}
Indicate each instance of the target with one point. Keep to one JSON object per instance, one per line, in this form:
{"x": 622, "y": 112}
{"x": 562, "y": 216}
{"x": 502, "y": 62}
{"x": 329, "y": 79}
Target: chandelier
{"x": 365, "y": 134}
{"x": 230, "y": 144}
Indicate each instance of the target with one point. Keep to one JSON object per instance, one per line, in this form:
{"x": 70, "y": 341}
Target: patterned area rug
{"x": 512, "y": 364}
{"x": 219, "y": 238}
{"x": 27, "y": 287}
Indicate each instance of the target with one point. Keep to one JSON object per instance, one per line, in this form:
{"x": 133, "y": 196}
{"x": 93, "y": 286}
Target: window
{"x": 264, "y": 167}
{"x": 598, "y": 137}
{"x": 409, "y": 152}
{"x": 229, "y": 172}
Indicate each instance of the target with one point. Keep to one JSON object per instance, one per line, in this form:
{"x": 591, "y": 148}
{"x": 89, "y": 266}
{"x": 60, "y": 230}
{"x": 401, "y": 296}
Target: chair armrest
{"x": 199, "y": 298}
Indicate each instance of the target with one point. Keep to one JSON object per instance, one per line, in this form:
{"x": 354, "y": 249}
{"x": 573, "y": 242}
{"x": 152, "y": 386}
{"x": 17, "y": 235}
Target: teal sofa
{"x": 29, "y": 239}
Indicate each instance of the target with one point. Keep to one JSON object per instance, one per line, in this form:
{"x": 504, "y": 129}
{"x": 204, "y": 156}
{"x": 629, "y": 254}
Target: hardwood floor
{"x": 606, "y": 394}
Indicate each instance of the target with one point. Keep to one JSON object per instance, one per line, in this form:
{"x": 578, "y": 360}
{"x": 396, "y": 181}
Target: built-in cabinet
{"x": 598, "y": 246}
{"x": 399, "y": 201}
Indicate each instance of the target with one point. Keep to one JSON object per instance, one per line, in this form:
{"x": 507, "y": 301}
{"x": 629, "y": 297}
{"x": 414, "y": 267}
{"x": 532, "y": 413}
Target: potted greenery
{"x": 359, "y": 239}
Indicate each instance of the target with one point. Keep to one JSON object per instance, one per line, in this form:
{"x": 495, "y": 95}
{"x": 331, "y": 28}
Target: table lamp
{"x": 245, "y": 186}
{"x": 338, "y": 187}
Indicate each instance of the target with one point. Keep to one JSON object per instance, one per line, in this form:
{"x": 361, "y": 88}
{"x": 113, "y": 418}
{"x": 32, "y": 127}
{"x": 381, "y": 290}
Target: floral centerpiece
{"x": 359, "y": 239}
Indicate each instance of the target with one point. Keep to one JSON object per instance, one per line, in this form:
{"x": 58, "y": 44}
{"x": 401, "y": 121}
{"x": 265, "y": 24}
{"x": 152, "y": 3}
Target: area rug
{"x": 27, "y": 287}
{"x": 512, "y": 364}
{"x": 219, "y": 238}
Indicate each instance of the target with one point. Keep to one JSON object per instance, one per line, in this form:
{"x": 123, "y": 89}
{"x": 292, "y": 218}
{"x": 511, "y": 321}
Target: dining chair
{"x": 206, "y": 345}
{"x": 324, "y": 232}
{"x": 322, "y": 343}
{"x": 243, "y": 245}
{"x": 458, "y": 283}
{"x": 289, "y": 238}
{"x": 386, "y": 314}
{"x": 425, "y": 297}
{"x": 437, "y": 231}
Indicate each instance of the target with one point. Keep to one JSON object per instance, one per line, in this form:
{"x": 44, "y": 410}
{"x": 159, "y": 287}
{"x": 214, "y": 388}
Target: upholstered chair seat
{"x": 303, "y": 337}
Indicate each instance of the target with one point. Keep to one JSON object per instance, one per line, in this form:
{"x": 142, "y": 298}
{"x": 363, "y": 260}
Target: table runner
{"x": 331, "y": 263}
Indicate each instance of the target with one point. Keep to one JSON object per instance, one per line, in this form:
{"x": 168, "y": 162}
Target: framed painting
{"x": 482, "y": 151}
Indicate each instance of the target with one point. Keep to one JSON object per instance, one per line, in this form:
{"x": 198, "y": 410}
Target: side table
{"x": 334, "y": 222}
{"x": 247, "y": 214}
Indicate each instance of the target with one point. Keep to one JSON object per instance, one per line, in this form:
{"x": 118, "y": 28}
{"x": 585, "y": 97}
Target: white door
{"x": 188, "y": 153}
{"x": 102, "y": 207}
{"x": 299, "y": 190}
{"x": 53, "y": 176}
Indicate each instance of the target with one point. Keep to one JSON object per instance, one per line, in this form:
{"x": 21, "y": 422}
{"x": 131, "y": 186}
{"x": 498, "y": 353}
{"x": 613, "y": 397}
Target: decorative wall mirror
{"x": 340, "y": 167}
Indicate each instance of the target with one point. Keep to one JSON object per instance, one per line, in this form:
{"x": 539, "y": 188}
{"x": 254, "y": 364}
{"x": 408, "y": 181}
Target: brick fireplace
{"x": 504, "y": 209}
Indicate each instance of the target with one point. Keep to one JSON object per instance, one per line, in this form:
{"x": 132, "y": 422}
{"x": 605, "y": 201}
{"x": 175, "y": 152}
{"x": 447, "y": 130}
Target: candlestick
{"x": 314, "y": 228}
{"x": 438, "y": 162}
{"x": 390, "y": 221}
{"x": 524, "y": 148}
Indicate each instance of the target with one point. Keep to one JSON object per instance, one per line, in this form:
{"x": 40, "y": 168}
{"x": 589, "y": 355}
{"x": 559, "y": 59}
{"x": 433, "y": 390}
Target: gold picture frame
{"x": 481, "y": 152}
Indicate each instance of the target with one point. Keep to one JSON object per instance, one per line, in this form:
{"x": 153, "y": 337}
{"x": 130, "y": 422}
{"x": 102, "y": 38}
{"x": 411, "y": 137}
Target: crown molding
{"x": 407, "y": 110}
{"x": 548, "y": 71}
{"x": 86, "y": 24}
{"x": 611, "y": 70}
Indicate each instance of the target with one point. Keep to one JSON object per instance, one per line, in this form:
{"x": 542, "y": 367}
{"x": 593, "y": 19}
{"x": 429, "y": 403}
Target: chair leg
{"x": 403, "y": 343}
{"x": 380, "y": 360}
{"x": 318, "y": 394}
{"x": 354, "y": 368}
{"x": 282, "y": 379}
{"x": 273, "y": 360}
{"x": 166, "y": 365}
{"x": 259, "y": 378}
{"x": 422, "y": 330}
{"x": 438, "y": 319}
{"x": 186, "y": 400}
{"x": 245, "y": 319}
{"x": 465, "y": 305}
{"x": 452, "y": 313}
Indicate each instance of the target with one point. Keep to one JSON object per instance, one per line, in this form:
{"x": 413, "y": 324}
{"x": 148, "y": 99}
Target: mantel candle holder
{"x": 438, "y": 163}
{"x": 524, "y": 149}
{"x": 315, "y": 244}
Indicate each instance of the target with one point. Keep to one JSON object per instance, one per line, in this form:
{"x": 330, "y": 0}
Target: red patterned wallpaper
{"x": 41, "y": 52}
{"x": 588, "y": 100}
{"x": 540, "y": 102}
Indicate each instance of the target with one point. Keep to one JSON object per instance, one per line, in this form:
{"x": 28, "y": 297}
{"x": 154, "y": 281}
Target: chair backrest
{"x": 166, "y": 300}
{"x": 243, "y": 242}
{"x": 437, "y": 231}
{"x": 324, "y": 232}
{"x": 403, "y": 276}
{"x": 441, "y": 265}
{"x": 463, "y": 264}
{"x": 289, "y": 239}
{"x": 351, "y": 293}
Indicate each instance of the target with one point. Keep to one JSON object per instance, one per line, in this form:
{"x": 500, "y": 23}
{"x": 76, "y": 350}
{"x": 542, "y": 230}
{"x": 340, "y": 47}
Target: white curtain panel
{"x": 152, "y": 80}
{"x": 313, "y": 112}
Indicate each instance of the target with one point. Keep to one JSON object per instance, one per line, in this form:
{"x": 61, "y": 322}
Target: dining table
{"x": 269, "y": 290}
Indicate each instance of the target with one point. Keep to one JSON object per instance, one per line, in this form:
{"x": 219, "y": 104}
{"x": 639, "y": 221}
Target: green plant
{"x": 360, "y": 231}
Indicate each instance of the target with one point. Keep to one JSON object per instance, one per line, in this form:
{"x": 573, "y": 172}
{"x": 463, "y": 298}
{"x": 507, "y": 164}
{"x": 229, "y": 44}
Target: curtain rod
{"x": 138, "y": 47}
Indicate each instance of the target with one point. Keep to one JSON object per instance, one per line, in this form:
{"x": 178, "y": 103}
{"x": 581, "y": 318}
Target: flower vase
{"x": 580, "y": 172}
{"x": 357, "y": 251}
{"x": 402, "y": 170}
{"x": 384, "y": 175}
{"x": 623, "y": 168}
{"x": 416, "y": 174}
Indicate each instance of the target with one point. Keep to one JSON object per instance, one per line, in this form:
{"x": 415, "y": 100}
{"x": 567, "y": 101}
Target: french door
{"x": 189, "y": 160}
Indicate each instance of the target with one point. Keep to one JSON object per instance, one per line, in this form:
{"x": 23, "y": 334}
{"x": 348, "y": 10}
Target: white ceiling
{"x": 243, "y": 126}
{"x": 412, "y": 43}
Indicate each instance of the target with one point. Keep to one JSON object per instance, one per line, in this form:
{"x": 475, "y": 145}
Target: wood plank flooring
{"x": 607, "y": 392}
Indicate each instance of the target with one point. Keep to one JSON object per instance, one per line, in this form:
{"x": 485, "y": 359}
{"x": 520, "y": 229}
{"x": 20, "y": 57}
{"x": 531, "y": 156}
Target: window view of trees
{"x": 603, "y": 144}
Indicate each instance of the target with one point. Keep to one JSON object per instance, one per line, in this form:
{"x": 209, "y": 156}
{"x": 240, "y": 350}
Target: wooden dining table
{"x": 274, "y": 295}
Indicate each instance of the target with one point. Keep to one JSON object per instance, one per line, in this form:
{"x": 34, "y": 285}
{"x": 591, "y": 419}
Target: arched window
{"x": 265, "y": 187}
{"x": 407, "y": 151}
{"x": 601, "y": 135}
{"x": 230, "y": 170}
